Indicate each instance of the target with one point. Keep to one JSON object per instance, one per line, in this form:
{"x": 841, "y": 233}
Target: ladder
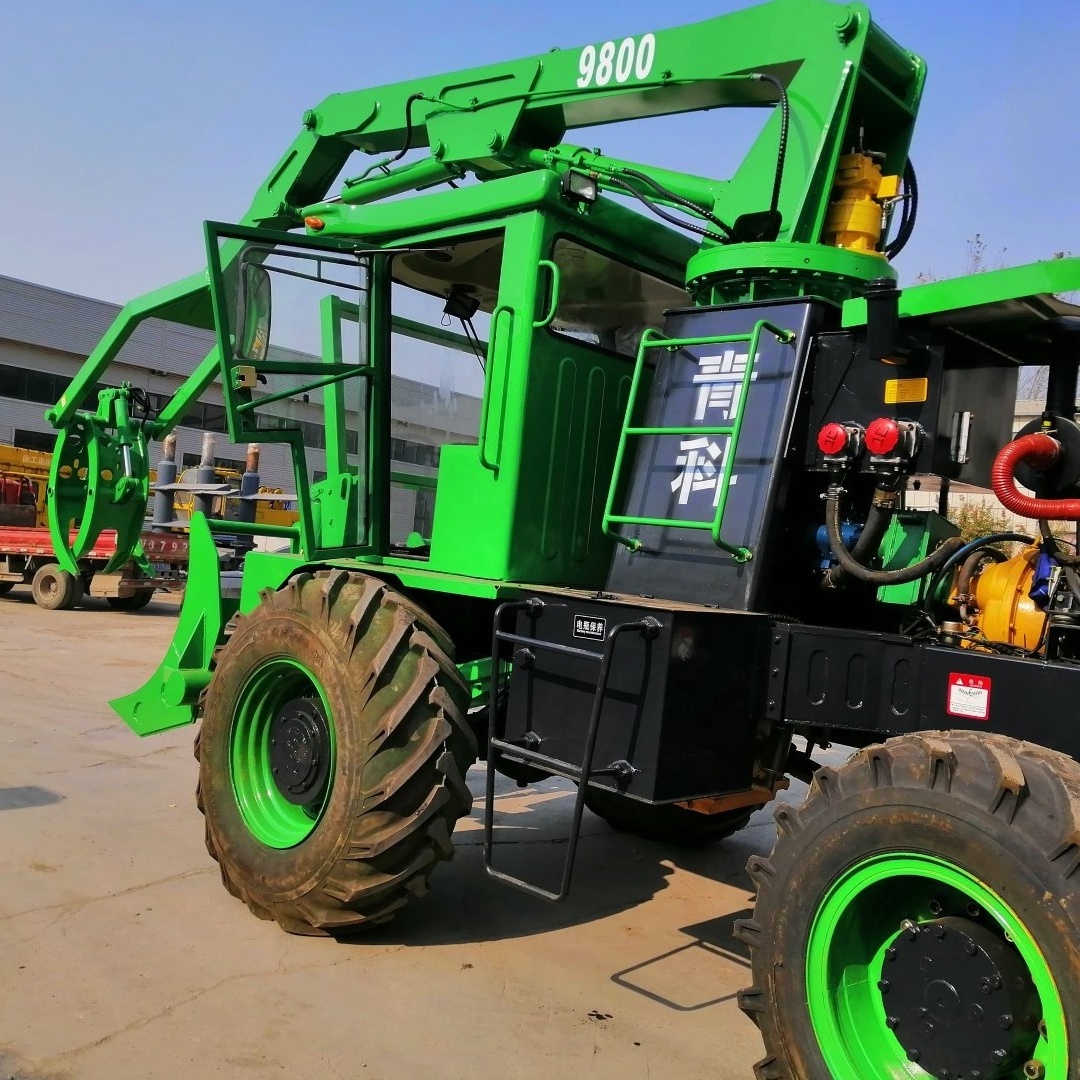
{"x": 653, "y": 339}
{"x": 525, "y": 752}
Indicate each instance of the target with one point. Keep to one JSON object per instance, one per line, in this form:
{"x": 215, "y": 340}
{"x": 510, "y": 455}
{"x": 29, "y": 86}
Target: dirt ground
{"x": 121, "y": 955}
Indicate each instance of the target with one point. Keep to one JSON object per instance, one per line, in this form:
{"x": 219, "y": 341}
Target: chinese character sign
{"x": 720, "y": 379}
{"x": 701, "y": 465}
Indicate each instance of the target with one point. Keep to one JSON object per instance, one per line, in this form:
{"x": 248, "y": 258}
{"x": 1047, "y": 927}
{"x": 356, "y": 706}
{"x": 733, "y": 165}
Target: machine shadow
{"x": 614, "y": 872}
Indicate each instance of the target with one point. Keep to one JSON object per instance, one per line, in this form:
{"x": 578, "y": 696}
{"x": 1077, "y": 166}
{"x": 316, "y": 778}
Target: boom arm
{"x": 844, "y": 84}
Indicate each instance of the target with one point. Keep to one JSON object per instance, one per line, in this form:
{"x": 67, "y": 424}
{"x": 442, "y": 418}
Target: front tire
{"x": 937, "y": 928}
{"x": 332, "y": 754}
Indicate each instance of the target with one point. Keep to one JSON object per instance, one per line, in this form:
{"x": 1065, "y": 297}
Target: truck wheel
{"x": 332, "y": 754}
{"x": 920, "y": 916}
{"x": 55, "y": 589}
{"x": 133, "y": 602}
{"x": 6, "y": 587}
{"x": 666, "y": 823}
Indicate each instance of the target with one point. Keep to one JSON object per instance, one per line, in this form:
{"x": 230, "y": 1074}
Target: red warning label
{"x": 969, "y": 696}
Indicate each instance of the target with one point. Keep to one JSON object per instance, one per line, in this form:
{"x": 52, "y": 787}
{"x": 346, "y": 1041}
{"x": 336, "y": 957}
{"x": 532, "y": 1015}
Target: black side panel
{"x": 884, "y": 684}
{"x": 966, "y": 413}
{"x": 1027, "y": 699}
{"x": 681, "y": 708}
{"x": 677, "y": 476}
{"x": 844, "y": 679}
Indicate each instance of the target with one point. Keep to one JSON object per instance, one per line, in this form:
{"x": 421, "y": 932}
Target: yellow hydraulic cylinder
{"x": 856, "y": 212}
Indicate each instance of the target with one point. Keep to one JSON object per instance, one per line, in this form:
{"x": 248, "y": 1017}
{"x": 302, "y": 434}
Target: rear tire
{"x": 6, "y": 587}
{"x": 357, "y": 685}
{"x": 135, "y": 601}
{"x": 666, "y": 823}
{"x": 922, "y": 906}
{"x": 55, "y": 589}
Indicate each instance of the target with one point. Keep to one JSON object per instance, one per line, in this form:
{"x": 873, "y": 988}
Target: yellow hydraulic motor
{"x": 857, "y": 209}
{"x": 994, "y": 602}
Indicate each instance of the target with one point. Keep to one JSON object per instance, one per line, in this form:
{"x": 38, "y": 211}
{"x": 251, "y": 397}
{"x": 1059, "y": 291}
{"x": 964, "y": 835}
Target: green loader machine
{"x": 685, "y": 542}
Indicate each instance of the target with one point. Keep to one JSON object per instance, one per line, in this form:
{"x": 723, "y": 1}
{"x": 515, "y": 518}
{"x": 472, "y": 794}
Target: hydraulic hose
{"x": 1039, "y": 451}
{"x": 967, "y": 572}
{"x": 877, "y": 522}
{"x": 968, "y": 549}
{"x": 932, "y": 562}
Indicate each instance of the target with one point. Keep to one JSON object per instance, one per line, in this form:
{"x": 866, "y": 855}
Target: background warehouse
{"x": 46, "y": 334}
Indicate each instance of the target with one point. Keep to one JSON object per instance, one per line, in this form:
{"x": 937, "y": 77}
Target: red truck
{"x": 27, "y": 558}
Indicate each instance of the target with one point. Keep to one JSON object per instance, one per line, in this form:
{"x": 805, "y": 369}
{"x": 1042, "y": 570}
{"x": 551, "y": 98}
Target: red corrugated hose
{"x": 1039, "y": 451}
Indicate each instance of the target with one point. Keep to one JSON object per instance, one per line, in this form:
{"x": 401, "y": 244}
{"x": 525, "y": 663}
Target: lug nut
{"x": 1034, "y": 1070}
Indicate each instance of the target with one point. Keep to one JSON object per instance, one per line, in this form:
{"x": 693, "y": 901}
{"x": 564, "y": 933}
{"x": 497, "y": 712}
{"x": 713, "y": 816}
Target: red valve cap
{"x": 832, "y": 439}
{"x": 882, "y": 436}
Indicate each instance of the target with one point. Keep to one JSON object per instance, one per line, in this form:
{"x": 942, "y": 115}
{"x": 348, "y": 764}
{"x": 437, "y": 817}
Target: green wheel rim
{"x": 272, "y": 818}
{"x": 851, "y": 930}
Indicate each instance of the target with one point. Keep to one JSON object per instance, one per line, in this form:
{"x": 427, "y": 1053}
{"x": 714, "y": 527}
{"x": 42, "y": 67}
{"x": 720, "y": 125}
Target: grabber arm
{"x": 99, "y": 480}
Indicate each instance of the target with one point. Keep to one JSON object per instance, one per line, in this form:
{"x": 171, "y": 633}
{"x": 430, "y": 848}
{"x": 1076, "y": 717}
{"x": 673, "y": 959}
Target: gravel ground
{"x": 121, "y": 956}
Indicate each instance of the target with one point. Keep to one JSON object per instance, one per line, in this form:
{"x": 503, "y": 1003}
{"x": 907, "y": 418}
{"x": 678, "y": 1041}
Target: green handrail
{"x": 653, "y": 339}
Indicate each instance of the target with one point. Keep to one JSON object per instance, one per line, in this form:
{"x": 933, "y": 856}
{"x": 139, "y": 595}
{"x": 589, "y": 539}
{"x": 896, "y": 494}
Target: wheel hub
{"x": 300, "y": 751}
{"x": 959, "y": 999}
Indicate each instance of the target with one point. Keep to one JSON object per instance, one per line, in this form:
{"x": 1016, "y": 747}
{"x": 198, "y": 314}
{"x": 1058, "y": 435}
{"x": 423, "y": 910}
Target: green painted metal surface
{"x": 856, "y": 923}
{"x": 170, "y": 697}
{"x": 271, "y": 818}
{"x": 910, "y": 537}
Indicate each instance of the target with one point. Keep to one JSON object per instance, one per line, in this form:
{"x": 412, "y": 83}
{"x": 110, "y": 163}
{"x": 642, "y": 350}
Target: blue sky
{"x": 126, "y": 124}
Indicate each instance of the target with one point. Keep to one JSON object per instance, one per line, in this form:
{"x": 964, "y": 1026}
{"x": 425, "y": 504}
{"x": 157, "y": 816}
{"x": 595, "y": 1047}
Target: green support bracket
{"x": 170, "y": 698}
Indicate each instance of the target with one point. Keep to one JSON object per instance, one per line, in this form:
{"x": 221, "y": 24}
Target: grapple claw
{"x": 99, "y": 482}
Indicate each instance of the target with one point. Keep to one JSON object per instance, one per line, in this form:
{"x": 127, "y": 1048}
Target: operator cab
{"x": 473, "y": 383}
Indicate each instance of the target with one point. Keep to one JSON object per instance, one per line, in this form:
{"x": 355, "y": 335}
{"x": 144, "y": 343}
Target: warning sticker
{"x": 969, "y": 696}
{"x": 901, "y": 391}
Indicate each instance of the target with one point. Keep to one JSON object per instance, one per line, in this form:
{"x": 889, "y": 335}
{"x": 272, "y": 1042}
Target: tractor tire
{"x": 919, "y": 916}
{"x": 666, "y": 823}
{"x": 332, "y": 754}
{"x": 55, "y": 589}
{"x": 6, "y": 587}
{"x": 135, "y": 601}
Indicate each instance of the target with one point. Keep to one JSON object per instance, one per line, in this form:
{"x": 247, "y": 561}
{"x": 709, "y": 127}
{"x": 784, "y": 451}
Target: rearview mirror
{"x": 253, "y": 313}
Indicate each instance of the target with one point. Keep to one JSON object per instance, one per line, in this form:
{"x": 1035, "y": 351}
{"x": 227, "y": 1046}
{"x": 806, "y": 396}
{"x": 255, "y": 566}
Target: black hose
{"x": 932, "y": 562}
{"x": 674, "y": 197}
{"x": 662, "y": 213}
{"x": 966, "y": 550}
{"x": 967, "y": 572}
{"x": 785, "y": 121}
{"x": 877, "y": 521}
{"x": 907, "y": 218}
